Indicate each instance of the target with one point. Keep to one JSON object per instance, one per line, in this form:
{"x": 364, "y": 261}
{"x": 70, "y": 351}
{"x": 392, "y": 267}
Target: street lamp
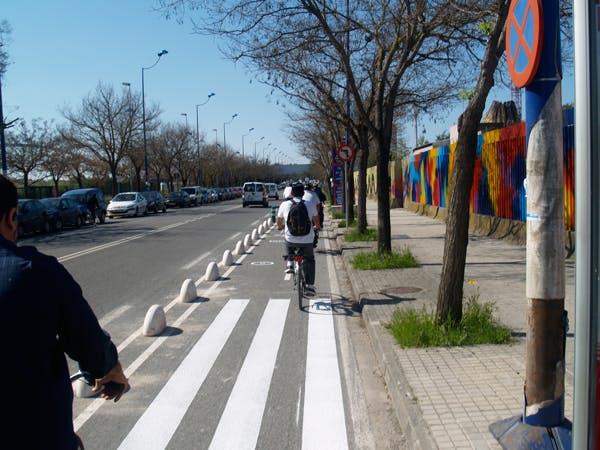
{"x": 198, "y": 134}
{"x": 255, "y": 146}
{"x": 186, "y": 121}
{"x": 160, "y": 54}
{"x": 227, "y": 123}
{"x": 244, "y": 135}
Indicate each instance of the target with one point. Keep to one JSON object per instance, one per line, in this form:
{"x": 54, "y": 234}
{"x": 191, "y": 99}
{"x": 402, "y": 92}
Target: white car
{"x": 127, "y": 204}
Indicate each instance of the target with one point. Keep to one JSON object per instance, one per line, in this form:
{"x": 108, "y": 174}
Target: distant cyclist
{"x": 44, "y": 315}
{"x": 303, "y": 241}
{"x": 311, "y": 197}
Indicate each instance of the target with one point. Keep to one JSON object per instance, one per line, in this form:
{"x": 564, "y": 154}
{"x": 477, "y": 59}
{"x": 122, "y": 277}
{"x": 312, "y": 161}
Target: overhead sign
{"x": 524, "y": 35}
{"x": 345, "y": 152}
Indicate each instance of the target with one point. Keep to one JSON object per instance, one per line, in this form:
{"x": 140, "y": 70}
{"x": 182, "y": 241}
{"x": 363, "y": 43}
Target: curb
{"x": 406, "y": 408}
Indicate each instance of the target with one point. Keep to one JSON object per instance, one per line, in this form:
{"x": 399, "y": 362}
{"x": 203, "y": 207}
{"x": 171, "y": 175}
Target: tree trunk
{"x": 450, "y": 294}
{"x": 384, "y": 240}
{"x": 363, "y": 158}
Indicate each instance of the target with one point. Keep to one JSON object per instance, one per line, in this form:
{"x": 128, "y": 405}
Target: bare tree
{"x": 170, "y": 144}
{"x": 105, "y": 124}
{"x": 29, "y": 146}
{"x": 57, "y": 161}
{"x": 378, "y": 51}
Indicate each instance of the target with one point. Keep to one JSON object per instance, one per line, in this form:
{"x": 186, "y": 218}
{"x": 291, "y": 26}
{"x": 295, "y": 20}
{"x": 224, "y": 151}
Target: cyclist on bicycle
{"x": 303, "y": 242}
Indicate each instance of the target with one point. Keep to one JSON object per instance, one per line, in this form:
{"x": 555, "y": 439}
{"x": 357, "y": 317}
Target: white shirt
{"x": 311, "y": 197}
{"x": 287, "y": 192}
{"x": 284, "y": 210}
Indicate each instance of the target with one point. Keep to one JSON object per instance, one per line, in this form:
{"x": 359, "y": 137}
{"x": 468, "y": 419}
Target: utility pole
{"x": 542, "y": 424}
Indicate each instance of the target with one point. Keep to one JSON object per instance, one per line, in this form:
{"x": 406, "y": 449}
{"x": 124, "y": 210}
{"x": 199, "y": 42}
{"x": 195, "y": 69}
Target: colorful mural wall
{"x": 498, "y": 185}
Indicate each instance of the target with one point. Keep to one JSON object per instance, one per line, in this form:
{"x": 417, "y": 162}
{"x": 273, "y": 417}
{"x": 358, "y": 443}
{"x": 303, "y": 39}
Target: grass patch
{"x": 394, "y": 260}
{"x": 337, "y": 215}
{"x": 370, "y": 234}
{"x": 342, "y": 223}
{"x": 413, "y": 328}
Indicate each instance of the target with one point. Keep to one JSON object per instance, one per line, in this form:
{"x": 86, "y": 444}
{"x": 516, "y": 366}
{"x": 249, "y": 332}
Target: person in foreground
{"x": 300, "y": 234}
{"x": 44, "y": 315}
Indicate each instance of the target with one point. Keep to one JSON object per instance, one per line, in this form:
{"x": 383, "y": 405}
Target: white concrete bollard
{"x": 227, "y": 258}
{"x": 267, "y": 224}
{"x": 188, "y": 291}
{"x": 239, "y": 248}
{"x": 254, "y": 235}
{"x": 247, "y": 241}
{"x": 212, "y": 271}
{"x": 155, "y": 321}
{"x": 261, "y": 229}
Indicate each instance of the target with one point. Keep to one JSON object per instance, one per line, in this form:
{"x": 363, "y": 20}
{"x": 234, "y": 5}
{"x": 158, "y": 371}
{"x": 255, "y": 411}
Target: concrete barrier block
{"x": 261, "y": 229}
{"x": 247, "y": 241}
{"x": 155, "y": 321}
{"x": 227, "y": 258}
{"x": 239, "y": 248}
{"x": 267, "y": 224}
{"x": 254, "y": 235}
{"x": 212, "y": 271}
{"x": 188, "y": 291}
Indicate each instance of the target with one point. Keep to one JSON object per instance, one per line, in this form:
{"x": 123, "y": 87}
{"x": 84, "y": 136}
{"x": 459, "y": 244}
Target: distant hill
{"x": 293, "y": 169}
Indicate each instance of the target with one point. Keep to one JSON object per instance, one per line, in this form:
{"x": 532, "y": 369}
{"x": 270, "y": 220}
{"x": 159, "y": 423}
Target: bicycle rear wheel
{"x": 300, "y": 284}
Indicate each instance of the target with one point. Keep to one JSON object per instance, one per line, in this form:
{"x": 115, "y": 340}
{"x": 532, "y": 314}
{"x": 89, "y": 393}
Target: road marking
{"x": 235, "y": 236}
{"x": 108, "y": 318}
{"x": 130, "y": 238}
{"x": 156, "y": 426}
{"x": 240, "y": 422}
{"x": 323, "y": 422}
{"x": 195, "y": 261}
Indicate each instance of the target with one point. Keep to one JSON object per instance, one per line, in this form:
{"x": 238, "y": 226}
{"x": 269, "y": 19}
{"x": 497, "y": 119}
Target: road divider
{"x": 227, "y": 259}
{"x": 212, "y": 272}
{"x": 155, "y": 321}
{"x": 188, "y": 291}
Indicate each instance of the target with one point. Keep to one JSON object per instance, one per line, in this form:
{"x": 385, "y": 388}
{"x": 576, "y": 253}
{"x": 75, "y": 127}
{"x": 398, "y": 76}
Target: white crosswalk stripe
{"x": 158, "y": 423}
{"x": 323, "y": 424}
{"x": 244, "y": 410}
{"x": 320, "y": 418}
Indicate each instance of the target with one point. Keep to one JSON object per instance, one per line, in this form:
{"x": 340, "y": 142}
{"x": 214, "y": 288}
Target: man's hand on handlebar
{"x": 115, "y": 383}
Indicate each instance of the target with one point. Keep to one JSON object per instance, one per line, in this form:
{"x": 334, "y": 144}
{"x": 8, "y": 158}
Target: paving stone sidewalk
{"x": 447, "y": 398}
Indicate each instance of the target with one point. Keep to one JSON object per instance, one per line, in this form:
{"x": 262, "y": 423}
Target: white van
{"x": 195, "y": 193}
{"x": 254, "y": 193}
{"x": 272, "y": 190}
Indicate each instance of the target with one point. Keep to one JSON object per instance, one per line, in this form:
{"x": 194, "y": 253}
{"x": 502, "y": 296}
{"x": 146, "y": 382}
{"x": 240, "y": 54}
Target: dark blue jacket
{"x": 43, "y": 315}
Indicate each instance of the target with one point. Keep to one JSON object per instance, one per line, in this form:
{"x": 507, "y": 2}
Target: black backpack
{"x": 298, "y": 222}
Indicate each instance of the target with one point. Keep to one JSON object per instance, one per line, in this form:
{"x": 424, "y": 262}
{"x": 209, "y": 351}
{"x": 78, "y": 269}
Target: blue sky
{"x": 61, "y": 49}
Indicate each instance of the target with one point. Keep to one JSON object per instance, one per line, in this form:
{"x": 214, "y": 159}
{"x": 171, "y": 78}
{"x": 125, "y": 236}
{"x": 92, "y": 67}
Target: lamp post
{"x": 244, "y": 135}
{"x": 227, "y": 123}
{"x": 198, "y": 134}
{"x": 255, "y": 146}
{"x": 160, "y": 54}
{"x": 216, "y": 131}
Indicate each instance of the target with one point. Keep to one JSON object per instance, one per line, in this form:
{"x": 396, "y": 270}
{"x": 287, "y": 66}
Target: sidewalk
{"x": 447, "y": 397}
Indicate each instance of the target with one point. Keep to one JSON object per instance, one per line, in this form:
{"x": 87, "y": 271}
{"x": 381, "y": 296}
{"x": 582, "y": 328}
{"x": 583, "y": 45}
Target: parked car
{"x": 213, "y": 195}
{"x": 204, "y": 195}
{"x": 82, "y": 196}
{"x": 179, "y": 198}
{"x": 194, "y": 193}
{"x": 31, "y": 217}
{"x": 156, "y": 201}
{"x": 127, "y": 204}
{"x": 272, "y": 190}
{"x": 64, "y": 212}
{"x": 255, "y": 193}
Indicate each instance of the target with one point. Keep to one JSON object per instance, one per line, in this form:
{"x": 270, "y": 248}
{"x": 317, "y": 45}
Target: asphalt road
{"x": 240, "y": 367}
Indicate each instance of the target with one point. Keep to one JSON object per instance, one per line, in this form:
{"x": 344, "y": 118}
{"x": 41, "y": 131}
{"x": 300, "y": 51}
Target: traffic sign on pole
{"x": 524, "y": 36}
{"x": 345, "y": 152}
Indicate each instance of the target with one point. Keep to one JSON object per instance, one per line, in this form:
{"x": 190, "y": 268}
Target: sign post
{"x": 586, "y": 411}
{"x": 345, "y": 153}
{"x": 533, "y": 57}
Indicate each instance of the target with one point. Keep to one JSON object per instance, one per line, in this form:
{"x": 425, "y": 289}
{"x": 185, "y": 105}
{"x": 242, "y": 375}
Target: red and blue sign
{"x": 524, "y": 36}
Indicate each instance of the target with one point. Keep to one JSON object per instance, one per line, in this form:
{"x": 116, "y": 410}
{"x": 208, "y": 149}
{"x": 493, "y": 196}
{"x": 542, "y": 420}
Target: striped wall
{"x": 498, "y": 188}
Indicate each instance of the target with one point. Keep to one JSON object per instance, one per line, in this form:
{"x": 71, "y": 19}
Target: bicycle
{"x": 298, "y": 275}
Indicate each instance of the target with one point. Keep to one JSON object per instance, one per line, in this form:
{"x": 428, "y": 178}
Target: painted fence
{"x": 498, "y": 185}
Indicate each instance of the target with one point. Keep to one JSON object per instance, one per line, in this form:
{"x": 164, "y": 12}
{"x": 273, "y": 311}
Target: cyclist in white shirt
{"x": 311, "y": 197}
{"x": 305, "y": 242}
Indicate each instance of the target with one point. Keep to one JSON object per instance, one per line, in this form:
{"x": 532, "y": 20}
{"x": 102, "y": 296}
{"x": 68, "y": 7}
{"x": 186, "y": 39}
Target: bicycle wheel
{"x": 300, "y": 283}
